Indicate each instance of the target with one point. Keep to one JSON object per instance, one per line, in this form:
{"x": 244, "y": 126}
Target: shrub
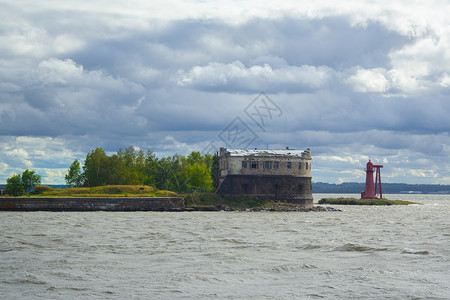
{"x": 39, "y": 189}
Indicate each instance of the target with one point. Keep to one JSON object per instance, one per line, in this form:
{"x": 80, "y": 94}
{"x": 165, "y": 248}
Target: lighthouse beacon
{"x": 372, "y": 189}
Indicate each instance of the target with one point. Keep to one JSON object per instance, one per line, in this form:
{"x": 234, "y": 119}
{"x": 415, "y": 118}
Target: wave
{"x": 287, "y": 268}
{"x": 358, "y": 248}
{"x": 29, "y": 279}
{"x": 420, "y": 252}
{"x": 310, "y": 247}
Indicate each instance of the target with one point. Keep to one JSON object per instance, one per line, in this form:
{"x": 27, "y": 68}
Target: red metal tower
{"x": 372, "y": 190}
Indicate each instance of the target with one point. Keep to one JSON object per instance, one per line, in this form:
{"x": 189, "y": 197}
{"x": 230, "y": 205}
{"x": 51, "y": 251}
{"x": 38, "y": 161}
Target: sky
{"x": 351, "y": 80}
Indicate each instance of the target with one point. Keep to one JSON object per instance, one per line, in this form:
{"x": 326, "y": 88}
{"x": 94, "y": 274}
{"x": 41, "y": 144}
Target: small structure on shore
{"x": 372, "y": 190}
{"x": 279, "y": 175}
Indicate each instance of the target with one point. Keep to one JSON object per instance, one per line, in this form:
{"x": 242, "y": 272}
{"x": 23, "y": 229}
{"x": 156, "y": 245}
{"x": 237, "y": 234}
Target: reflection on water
{"x": 365, "y": 252}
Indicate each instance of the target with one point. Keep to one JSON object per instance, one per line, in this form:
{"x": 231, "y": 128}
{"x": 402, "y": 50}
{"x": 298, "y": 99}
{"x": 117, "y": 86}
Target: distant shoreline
{"x": 388, "y": 188}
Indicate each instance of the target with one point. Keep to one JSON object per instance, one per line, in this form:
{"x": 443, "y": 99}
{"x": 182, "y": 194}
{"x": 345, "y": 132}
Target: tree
{"x": 29, "y": 180}
{"x": 74, "y": 177}
{"x": 150, "y": 169}
{"x": 199, "y": 177}
{"x": 194, "y": 157}
{"x": 14, "y": 186}
{"x": 133, "y": 162}
{"x": 96, "y": 169}
{"x": 131, "y": 166}
{"x": 168, "y": 173}
{"x": 215, "y": 170}
{"x": 18, "y": 185}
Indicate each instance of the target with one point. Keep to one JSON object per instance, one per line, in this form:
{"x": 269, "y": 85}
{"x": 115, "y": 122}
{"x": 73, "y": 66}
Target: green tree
{"x": 14, "y": 186}
{"x": 194, "y": 157}
{"x": 131, "y": 165}
{"x": 215, "y": 170}
{"x": 209, "y": 160}
{"x": 74, "y": 176}
{"x": 168, "y": 173}
{"x": 199, "y": 177}
{"x": 18, "y": 184}
{"x": 150, "y": 169}
{"x": 117, "y": 172}
{"x": 29, "y": 180}
{"x": 96, "y": 169}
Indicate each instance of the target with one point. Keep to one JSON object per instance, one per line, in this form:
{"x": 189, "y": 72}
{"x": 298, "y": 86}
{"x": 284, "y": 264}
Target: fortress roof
{"x": 286, "y": 152}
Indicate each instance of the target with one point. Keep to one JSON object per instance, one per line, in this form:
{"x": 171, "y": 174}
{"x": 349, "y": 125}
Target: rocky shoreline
{"x": 171, "y": 204}
{"x": 274, "y": 208}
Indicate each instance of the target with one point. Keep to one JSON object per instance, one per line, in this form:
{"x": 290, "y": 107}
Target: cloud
{"x": 55, "y": 71}
{"x": 373, "y": 80}
{"x": 42, "y": 154}
{"x": 63, "y": 98}
{"x": 237, "y": 77}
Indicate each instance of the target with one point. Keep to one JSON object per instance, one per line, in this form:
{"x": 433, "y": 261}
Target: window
{"x": 306, "y": 166}
{"x": 267, "y": 165}
{"x": 300, "y": 165}
{"x": 289, "y": 165}
{"x": 254, "y": 165}
{"x": 275, "y": 165}
{"x": 244, "y": 164}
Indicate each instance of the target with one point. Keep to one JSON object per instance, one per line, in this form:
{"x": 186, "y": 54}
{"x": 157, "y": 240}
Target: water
{"x": 363, "y": 252}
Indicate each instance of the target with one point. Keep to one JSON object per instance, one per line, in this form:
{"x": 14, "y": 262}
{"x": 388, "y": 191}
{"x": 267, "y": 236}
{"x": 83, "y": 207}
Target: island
{"x": 355, "y": 201}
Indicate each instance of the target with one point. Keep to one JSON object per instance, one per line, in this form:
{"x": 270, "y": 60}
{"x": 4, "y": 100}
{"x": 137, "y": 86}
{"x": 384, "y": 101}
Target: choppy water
{"x": 363, "y": 252}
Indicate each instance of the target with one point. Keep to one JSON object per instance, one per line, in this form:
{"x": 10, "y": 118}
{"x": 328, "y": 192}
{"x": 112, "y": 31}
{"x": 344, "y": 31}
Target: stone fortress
{"x": 280, "y": 175}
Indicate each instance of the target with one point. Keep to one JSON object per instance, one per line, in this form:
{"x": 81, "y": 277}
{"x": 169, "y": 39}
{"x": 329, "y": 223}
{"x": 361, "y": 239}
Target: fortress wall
{"x": 290, "y": 189}
{"x": 90, "y": 204}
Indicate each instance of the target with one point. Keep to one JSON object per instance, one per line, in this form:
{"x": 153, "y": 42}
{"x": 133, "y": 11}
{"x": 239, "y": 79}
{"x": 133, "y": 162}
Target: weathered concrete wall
{"x": 277, "y": 164}
{"x": 90, "y": 204}
{"x": 291, "y": 189}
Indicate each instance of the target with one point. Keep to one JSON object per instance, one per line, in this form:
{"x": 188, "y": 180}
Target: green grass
{"x": 103, "y": 191}
{"x": 354, "y": 201}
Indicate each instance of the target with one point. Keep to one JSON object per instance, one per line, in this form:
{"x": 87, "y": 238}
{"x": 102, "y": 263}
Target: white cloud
{"x": 55, "y": 71}
{"x": 236, "y": 76}
{"x": 373, "y": 80}
{"x": 346, "y": 159}
{"x": 52, "y": 175}
{"x": 22, "y": 38}
{"x": 36, "y": 153}
{"x": 17, "y": 152}
{"x": 445, "y": 80}
{"x": 174, "y": 146}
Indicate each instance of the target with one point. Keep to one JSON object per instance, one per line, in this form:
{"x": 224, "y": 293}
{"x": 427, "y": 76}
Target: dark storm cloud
{"x": 332, "y": 42}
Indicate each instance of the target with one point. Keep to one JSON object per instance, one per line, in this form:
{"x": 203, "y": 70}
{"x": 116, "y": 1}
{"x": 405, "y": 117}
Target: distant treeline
{"x": 134, "y": 167}
{"x": 387, "y": 188}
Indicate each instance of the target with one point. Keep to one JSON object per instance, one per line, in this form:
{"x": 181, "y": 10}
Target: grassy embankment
{"x": 354, "y": 201}
{"x": 103, "y": 191}
{"x": 191, "y": 199}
